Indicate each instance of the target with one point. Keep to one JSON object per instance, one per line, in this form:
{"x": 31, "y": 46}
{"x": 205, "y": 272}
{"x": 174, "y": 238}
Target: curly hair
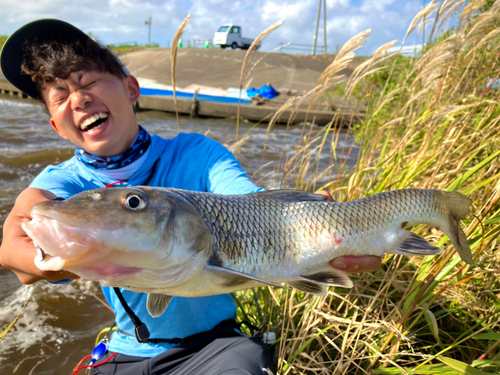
{"x": 47, "y": 60}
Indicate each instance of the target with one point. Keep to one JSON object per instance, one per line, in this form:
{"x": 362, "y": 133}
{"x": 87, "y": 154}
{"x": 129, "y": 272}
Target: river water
{"x": 61, "y": 322}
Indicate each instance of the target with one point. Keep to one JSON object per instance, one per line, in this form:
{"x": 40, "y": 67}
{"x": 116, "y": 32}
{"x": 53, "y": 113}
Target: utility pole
{"x": 316, "y": 32}
{"x": 324, "y": 27}
{"x": 149, "y": 33}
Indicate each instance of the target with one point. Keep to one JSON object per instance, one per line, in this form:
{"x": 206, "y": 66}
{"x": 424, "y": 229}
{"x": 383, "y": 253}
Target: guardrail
{"x": 6, "y": 88}
{"x": 307, "y": 48}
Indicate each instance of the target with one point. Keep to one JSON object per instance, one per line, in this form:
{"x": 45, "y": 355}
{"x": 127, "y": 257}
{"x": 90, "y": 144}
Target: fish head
{"x": 105, "y": 234}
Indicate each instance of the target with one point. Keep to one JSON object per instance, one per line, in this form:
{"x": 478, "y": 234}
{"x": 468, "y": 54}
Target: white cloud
{"x": 118, "y": 21}
{"x": 347, "y": 25}
{"x": 290, "y": 10}
{"x": 375, "y": 5}
{"x": 336, "y": 4}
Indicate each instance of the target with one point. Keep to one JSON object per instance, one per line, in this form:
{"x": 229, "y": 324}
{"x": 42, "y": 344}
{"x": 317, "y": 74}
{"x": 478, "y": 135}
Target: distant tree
{"x": 487, "y": 6}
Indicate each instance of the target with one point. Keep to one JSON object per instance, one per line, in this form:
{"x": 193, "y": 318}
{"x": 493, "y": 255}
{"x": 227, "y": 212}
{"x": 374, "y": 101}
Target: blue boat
{"x": 188, "y": 95}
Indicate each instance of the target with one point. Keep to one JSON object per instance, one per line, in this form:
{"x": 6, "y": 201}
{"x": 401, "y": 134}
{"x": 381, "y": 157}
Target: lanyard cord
{"x": 142, "y": 333}
{"x": 141, "y": 330}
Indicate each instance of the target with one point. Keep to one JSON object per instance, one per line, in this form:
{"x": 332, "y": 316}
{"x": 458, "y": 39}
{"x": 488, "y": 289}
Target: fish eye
{"x": 135, "y": 202}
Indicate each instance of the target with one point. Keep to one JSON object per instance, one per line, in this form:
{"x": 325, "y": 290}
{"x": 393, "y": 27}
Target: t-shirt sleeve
{"x": 225, "y": 174}
{"x": 58, "y": 181}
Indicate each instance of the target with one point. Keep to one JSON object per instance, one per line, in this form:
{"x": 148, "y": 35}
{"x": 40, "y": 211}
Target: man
{"x": 89, "y": 96}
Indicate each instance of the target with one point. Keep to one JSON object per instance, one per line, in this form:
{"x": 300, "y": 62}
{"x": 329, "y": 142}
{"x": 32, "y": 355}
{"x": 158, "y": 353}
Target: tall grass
{"x": 173, "y": 64}
{"x": 431, "y": 122}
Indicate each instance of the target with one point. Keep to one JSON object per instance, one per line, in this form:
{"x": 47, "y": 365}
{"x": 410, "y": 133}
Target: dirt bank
{"x": 221, "y": 68}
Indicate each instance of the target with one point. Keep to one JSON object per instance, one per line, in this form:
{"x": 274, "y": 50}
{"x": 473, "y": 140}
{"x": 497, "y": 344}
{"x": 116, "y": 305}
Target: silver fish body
{"x": 176, "y": 242}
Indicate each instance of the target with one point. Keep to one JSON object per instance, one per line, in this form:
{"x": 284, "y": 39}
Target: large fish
{"x": 181, "y": 243}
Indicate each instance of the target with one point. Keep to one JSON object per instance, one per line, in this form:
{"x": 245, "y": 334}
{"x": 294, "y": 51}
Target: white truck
{"x": 230, "y": 36}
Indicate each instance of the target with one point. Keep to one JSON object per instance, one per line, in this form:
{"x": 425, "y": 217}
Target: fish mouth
{"x": 47, "y": 262}
{"x": 57, "y": 243}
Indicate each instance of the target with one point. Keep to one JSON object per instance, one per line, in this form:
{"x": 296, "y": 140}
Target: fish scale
{"x": 359, "y": 223}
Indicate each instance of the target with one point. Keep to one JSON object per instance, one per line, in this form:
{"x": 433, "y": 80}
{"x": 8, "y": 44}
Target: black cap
{"x": 12, "y": 55}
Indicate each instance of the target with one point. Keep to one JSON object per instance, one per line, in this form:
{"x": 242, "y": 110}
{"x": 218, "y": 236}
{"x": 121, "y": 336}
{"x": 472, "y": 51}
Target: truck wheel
{"x": 234, "y": 45}
{"x": 222, "y": 46}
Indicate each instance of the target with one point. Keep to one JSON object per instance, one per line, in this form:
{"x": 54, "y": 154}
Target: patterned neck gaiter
{"x": 136, "y": 150}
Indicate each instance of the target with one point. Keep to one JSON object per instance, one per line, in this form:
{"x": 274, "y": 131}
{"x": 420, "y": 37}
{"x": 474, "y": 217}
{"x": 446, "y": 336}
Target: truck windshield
{"x": 223, "y": 29}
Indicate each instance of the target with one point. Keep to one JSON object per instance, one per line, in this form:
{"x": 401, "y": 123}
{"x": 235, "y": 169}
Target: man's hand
{"x": 17, "y": 251}
{"x": 351, "y": 263}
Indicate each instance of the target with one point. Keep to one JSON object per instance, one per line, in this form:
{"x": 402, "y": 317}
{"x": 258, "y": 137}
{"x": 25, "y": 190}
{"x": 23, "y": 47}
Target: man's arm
{"x": 17, "y": 251}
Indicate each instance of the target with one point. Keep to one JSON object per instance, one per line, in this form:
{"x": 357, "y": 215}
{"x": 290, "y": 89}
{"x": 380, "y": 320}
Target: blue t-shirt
{"x": 190, "y": 162}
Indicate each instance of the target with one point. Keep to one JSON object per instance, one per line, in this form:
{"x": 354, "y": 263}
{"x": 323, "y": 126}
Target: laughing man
{"x": 89, "y": 96}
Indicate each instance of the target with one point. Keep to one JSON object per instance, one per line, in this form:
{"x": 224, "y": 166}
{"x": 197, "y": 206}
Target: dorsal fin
{"x": 292, "y": 195}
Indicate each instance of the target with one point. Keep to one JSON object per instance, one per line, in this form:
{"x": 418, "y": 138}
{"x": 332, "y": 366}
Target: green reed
{"x": 431, "y": 122}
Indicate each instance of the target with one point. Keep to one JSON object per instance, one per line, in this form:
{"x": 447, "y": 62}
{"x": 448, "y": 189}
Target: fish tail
{"x": 452, "y": 206}
{"x": 457, "y": 205}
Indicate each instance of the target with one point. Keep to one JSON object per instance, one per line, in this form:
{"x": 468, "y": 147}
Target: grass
{"x": 175, "y": 42}
{"x": 119, "y": 49}
{"x": 431, "y": 122}
{"x": 3, "y": 38}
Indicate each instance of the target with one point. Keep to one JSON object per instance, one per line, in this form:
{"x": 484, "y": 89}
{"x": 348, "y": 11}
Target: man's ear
{"x": 57, "y": 130}
{"x": 133, "y": 88}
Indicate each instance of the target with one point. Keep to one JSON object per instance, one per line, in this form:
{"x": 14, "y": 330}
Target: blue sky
{"x": 121, "y": 21}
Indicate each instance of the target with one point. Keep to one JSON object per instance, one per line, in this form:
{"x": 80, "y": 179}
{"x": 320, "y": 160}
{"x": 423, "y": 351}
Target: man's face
{"x": 94, "y": 111}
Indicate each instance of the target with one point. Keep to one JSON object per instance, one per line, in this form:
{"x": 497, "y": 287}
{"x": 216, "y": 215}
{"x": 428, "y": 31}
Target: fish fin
{"x": 292, "y": 195}
{"x": 235, "y": 277}
{"x": 308, "y": 286}
{"x": 458, "y": 206}
{"x": 462, "y": 245}
{"x": 415, "y": 244}
{"x": 157, "y": 304}
{"x": 331, "y": 277}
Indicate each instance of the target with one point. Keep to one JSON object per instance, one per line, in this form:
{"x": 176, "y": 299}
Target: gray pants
{"x": 221, "y": 351}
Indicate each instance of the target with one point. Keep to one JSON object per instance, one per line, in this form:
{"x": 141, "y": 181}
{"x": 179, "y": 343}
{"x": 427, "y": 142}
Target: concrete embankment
{"x": 221, "y": 68}
{"x": 250, "y": 112}
{"x": 218, "y": 71}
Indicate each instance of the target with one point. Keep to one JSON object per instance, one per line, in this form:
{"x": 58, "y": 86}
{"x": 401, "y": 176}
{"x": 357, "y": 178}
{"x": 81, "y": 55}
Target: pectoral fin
{"x": 157, "y": 304}
{"x": 235, "y": 278}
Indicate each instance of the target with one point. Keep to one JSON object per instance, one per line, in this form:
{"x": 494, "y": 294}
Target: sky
{"x": 124, "y": 21}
